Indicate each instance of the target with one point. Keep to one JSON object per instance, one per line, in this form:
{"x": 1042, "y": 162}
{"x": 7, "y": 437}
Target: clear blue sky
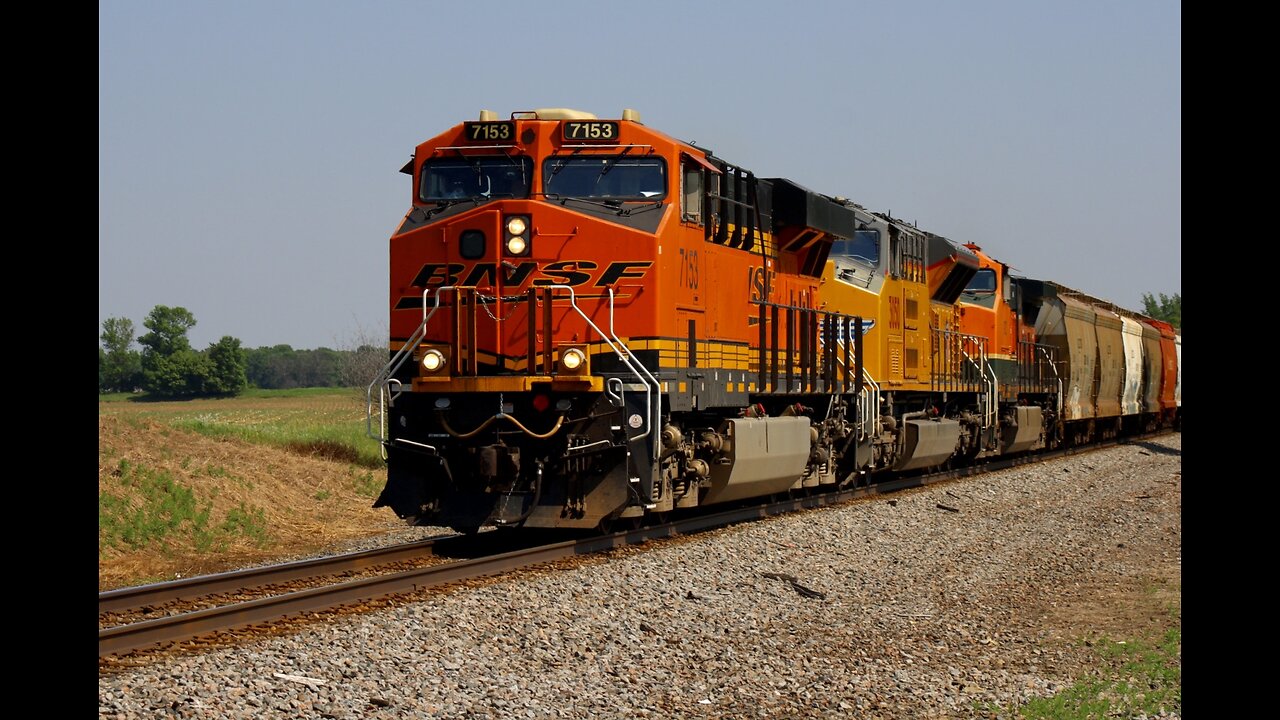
{"x": 248, "y": 151}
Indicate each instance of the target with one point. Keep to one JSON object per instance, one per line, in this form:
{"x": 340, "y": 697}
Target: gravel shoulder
{"x": 898, "y": 609}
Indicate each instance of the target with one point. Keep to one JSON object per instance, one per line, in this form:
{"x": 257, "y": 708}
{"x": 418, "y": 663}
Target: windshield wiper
{"x": 474, "y": 163}
{"x": 563, "y": 164}
{"x": 511, "y": 159}
{"x": 609, "y": 166}
{"x": 556, "y": 171}
{"x": 442, "y": 205}
{"x": 561, "y": 198}
{"x": 610, "y": 204}
{"x": 627, "y": 212}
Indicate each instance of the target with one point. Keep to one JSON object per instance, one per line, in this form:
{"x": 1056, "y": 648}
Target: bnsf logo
{"x": 563, "y": 272}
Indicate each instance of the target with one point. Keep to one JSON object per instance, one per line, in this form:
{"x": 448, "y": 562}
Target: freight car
{"x": 593, "y": 323}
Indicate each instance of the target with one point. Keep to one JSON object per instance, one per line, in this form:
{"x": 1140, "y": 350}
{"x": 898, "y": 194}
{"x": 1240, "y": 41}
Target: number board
{"x": 489, "y": 131}
{"x": 590, "y": 130}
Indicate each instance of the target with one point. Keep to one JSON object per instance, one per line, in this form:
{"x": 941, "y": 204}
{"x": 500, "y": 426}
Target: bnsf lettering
{"x": 438, "y": 274}
{"x": 566, "y": 272}
{"x": 619, "y": 270}
{"x": 760, "y": 280}
{"x": 520, "y": 274}
{"x": 478, "y": 274}
{"x": 563, "y": 272}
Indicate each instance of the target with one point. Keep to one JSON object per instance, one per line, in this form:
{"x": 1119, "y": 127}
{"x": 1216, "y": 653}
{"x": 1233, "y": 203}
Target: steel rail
{"x": 130, "y": 598}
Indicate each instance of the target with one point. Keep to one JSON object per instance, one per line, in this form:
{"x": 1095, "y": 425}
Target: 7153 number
{"x": 689, "y": 268}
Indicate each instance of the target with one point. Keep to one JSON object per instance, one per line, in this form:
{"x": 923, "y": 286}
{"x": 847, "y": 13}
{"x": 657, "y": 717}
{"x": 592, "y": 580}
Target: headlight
{"x": 516, "y": 236}
{"x": 432, "y": 361}
{"x": 574, "y": 363}
{"x": 572, "y": 359}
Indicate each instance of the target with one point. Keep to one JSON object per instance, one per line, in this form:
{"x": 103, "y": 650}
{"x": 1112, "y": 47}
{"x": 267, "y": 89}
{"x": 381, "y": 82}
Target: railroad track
{"x": 141, "y": 596}
{"x": 495, "y": 560}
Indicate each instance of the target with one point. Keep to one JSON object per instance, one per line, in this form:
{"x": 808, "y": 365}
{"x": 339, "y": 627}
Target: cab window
{"x": 864, "y": 247}
{"x": 983, "y": 283}
{"x": 493, "y": 176}
{"x": 691, "y": 195}
{"x": 605, "y": 177}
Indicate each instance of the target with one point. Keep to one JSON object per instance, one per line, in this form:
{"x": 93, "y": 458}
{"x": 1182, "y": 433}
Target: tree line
{"x": 167, "y": 366}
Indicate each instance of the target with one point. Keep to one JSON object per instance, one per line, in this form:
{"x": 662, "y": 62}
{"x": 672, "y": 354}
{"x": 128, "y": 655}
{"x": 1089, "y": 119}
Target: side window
{"x": 691, "y": 194}
{"x": 864, "y": 246}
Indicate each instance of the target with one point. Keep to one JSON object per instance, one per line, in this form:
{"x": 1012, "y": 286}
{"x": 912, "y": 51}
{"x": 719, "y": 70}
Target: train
{"x": 594, "y": 324}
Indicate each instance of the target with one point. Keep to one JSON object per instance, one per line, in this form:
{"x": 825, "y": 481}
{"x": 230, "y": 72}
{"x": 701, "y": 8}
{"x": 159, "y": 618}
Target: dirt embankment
{"x": 173, "y": 502}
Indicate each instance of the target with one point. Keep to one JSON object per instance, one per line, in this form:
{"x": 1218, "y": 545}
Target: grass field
{"x": 324, "y": 422}
{"x": 204, "y": 485}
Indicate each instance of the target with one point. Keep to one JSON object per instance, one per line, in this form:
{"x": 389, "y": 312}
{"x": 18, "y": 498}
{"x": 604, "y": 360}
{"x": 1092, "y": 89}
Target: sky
{"x": 248, "y": 152}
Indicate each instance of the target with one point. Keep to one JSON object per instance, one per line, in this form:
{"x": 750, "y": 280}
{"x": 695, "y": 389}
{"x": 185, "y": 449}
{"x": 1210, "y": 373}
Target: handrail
{"x": 990, "y": 383}
{"x": 656, "y": 408}
{"x": 1054, "y": 366}
{"x": 868, "y": 397}
{"x": 625, "y": 357}
{"x": 993, "y": 398}
{"x": 384, "y": 378}
{"x": 872, "y": 402}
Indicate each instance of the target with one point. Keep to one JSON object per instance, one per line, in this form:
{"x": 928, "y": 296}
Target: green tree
{"x": 226, "y": 362}
{"x": 182, "y": 374}
{"x": 170, "y": 368}
{"x": 168, "y": 326}
{"x": 1166, "y": 308}
{"x": 121, "y": 366}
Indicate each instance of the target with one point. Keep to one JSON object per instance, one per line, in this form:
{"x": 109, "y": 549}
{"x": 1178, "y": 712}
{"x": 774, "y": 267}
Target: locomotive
{"x": 594, "y": 323}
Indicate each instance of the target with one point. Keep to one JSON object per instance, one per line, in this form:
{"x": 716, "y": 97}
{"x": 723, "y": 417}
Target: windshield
{"x": 864, "y": 246}
{"x": 610, "y": 177}
{"x": 484, "y": 176}
{"x": 984, "y": 281}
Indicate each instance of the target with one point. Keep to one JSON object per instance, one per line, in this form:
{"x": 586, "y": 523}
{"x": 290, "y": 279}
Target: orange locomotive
{"x": 593, "y": 322}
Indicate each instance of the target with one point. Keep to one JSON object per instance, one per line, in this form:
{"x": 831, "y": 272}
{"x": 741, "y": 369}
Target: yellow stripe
{"x": 507, "y": 383}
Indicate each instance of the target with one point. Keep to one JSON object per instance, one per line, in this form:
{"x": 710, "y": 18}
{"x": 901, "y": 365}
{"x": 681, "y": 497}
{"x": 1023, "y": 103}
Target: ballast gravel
{"x": 897, "y": 609}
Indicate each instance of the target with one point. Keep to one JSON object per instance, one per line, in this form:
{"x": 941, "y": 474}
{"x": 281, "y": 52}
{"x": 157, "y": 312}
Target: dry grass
{"x": 177, "y": 502}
